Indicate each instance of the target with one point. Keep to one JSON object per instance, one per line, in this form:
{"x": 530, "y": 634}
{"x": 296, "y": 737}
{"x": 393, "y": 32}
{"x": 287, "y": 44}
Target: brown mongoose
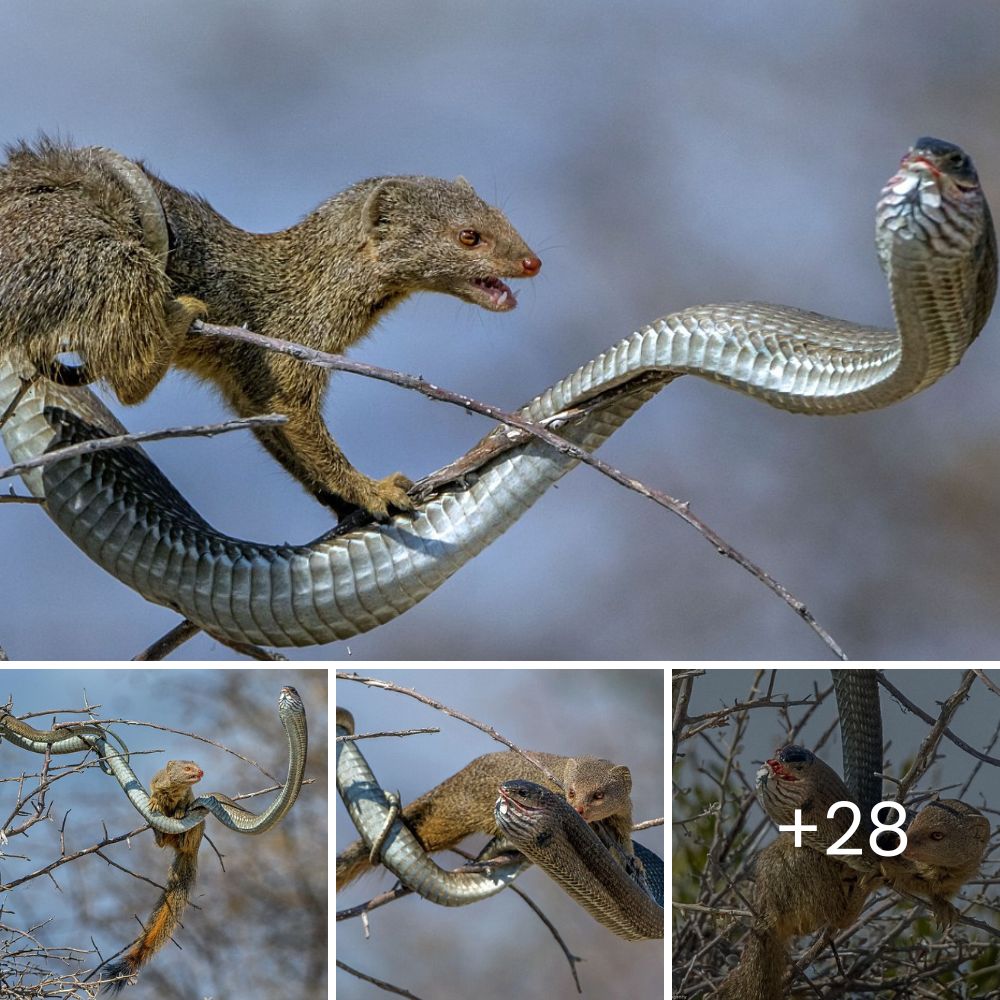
{"x": 169, "y": 793}
{"x": 75, "y": 275}
{"x": 796, "y": 891}
{"x": 803, "y": 890}
{"x": 945, "y": 845}
{"x": 463, "y": 804}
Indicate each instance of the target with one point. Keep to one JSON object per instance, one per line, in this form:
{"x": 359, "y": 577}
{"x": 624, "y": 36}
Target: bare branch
{"x": 119, "y": 440}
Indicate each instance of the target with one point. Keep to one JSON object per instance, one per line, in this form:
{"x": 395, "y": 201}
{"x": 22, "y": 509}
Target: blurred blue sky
{"x": 657, "y": 156}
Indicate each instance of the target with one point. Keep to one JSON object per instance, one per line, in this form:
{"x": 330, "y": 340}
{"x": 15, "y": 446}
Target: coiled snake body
{"x": 292, "y": 713}
{"x": 936, "y": 245}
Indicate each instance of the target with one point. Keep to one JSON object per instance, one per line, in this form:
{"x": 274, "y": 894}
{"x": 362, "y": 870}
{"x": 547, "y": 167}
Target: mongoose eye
{"x": 598, "y": 796}
{"x": 570, "y": 793}
{"x": 937, "y": 835}
{"x": 469, "y": 238}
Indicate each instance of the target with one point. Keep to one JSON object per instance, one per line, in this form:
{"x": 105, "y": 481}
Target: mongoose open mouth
{"x": 492, "y": 293}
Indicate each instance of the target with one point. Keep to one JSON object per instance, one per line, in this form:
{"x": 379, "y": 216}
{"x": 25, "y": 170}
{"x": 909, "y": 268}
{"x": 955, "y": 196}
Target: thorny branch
{"x": 714, "y": 804}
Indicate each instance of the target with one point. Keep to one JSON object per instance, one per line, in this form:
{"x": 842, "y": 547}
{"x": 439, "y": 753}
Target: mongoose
{"x": 463, "y": 804}
{"x": 796, "y": 891}
{"x": 945, "y": 845}
{"x": 803, "y": 890}
{"x": 76, "y": 275}
{"x": 169, "y": 793}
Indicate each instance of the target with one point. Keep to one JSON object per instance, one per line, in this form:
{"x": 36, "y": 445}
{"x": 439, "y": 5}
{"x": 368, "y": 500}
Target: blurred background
{"x": 657, "y": 156}
{"x": 615, "y": 714}
{"x": 261, "y": 920}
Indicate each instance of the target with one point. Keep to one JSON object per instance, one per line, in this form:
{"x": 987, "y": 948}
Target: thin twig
{"x": 167, "y": 643}
{"x": 381, "y": 984}
{"x": 454, "y": 713}
{"x": 121, "y": 440}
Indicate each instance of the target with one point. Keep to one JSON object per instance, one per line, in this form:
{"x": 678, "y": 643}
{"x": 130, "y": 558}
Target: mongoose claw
{"x": 384, "y": 496}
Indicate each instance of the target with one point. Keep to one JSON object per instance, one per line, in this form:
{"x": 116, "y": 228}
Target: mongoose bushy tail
{"x": 77, "y": 274}
{"x": 463, "y": 804}
{"x": 170, "y": 794}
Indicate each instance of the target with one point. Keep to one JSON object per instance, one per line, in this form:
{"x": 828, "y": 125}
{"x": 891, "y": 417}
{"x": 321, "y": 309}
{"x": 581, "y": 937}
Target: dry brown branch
{"x": 167, "y": 643}
{"x": 120, "y": 440}
{"x": 381, "y": 984}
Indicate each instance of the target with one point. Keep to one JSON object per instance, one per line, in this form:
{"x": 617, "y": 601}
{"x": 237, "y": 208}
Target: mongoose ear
{"x": 378, "y": 204}
{"x": 621, "y": 773}
{"x": 461, "y": 182}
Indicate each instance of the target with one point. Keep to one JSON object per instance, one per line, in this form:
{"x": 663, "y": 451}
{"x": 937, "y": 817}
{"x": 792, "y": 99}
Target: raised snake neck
{"x": 579, "y": 862}
{"x": 861, "y": 737}
{"x": 292, "y": 714}
{"x": 936, "y": 244}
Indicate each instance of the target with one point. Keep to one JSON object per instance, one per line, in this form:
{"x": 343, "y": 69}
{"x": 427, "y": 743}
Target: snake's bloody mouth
{"x": 780, "y": 771}
{"x": 492, "y": 293}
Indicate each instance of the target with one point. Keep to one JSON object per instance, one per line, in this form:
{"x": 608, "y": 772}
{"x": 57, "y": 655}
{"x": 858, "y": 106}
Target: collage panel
{"x": 835, "y": 831}
{"x": 569, "y": 898}
{"x": 226, "y": 895}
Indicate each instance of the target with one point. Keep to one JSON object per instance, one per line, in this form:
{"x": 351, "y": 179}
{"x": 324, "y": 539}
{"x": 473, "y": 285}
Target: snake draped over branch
{"x": 539, "y": 824}
{"x": 81, "y": 738}
{"x": 935, "y": 243}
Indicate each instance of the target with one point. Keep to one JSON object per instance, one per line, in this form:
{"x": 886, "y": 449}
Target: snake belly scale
{"x": 936, "y": 245}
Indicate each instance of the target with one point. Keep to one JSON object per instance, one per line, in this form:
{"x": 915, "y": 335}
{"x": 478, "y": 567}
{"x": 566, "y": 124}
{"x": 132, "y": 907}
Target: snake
{"x": 540, "y": 825}
{"x": 292, "y": 714}
{"x": 370, "y": 809}
{"x": 937, "y": 248}
{"x": 549, "y": 831}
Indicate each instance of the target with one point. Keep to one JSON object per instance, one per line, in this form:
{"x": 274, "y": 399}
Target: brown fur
{"x": 797, "y": 891}
{"x": 463, "y": 804}
{"x": 169, "y": 793}
{"x": 945, "y": 845}
{"x": 76, "y": 275}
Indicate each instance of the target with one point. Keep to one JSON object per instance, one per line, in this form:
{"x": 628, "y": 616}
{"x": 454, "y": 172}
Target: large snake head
{"x": 934, "y": 204}
{"x": 788, "y": 764}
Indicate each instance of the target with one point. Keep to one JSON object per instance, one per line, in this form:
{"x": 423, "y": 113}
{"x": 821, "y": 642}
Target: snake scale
{"x": 77, "y": 739}
{"x": 935, "y": 243}
{"x": 539, "y": 824}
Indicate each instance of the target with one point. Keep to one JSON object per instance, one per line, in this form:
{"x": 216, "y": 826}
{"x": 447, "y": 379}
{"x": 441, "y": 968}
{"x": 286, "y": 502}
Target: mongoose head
{"x": 596, "y": 789}
{"x": 947, "y": 832}
{"x": 433, "y": 235}
{"x": 183, "y": 772}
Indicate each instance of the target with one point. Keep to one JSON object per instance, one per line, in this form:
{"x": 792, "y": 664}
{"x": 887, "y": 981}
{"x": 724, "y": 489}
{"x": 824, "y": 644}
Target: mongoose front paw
{"x": 377, "y": 497}
{"x": 183, "y": 311}
{"x": 390, "y": 494}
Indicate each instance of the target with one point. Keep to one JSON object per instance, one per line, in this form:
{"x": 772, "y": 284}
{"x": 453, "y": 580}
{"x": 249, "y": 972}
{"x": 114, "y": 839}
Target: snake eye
{"x": 957, "y": 160}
